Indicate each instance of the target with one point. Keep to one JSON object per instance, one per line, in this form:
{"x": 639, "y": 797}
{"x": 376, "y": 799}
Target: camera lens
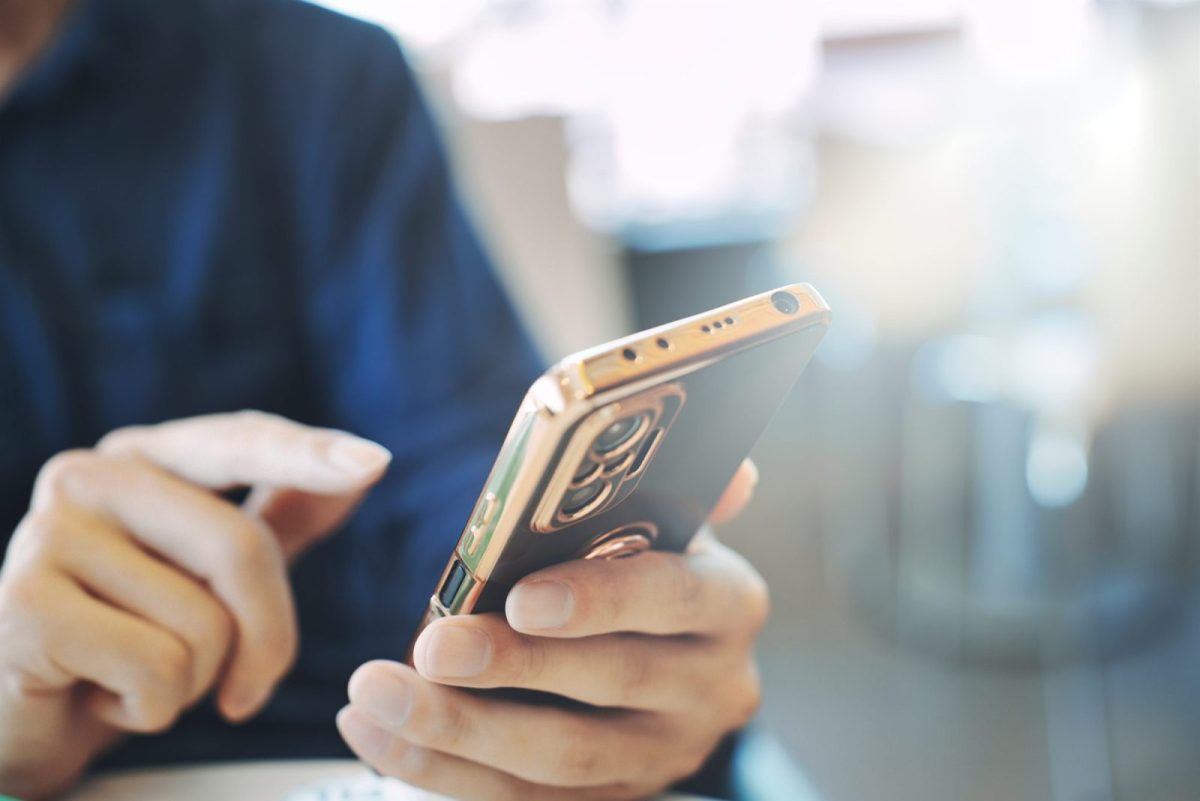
{"x": 579, "y": 499}
{"x": 786, "y": 302}
{"x": 585, "y": 471}
{"x": 617, "y": 434}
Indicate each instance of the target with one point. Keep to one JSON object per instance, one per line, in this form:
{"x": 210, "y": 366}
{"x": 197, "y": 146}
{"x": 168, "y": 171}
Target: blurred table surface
{"x": 319, "y": 780}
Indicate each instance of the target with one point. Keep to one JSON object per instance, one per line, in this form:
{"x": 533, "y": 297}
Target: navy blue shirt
{"x": 210, "y": 205}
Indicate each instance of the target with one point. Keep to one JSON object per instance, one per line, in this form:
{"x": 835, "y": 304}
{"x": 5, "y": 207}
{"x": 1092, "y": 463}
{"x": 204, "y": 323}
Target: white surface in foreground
{"x": 323, "y": 780}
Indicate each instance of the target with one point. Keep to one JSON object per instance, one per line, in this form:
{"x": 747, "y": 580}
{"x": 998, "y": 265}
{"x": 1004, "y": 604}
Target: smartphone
{"x": 628, "y": 446}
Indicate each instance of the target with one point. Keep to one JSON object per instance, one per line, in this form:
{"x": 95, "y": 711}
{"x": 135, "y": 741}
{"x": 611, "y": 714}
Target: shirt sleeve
{"x": 411, "y": 342}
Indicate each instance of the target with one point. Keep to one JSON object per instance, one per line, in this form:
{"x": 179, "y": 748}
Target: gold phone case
{"x": 628, "y": 446}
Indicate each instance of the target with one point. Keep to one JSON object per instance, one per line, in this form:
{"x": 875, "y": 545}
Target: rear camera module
{"x": 579, "y": 500}
{"x": 619, "y": 433}
{"x": 785, "y": 302}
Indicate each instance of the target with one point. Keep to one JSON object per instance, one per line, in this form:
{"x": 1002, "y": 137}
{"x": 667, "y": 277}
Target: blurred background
{"x": 980, "y": 512}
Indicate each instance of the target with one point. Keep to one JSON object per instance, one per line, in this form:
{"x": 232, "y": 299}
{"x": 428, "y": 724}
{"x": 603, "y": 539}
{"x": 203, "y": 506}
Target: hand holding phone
{"x": 654, "y": 653}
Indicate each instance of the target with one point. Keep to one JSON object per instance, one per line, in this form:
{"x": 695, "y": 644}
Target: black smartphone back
{"x": 629, "y": 446}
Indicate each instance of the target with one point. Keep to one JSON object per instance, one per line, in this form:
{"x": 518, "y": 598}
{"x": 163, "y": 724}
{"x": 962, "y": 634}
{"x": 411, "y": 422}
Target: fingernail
{"x": 385, "y": 699}
{"x": 357, "y": 456}
{"x": 539, "y": 605}
{"x": 365, "y": 737}
{"x": 456, "y": 652}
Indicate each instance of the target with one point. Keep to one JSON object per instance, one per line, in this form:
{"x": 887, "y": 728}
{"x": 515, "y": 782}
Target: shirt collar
{"x": 96, "y": 37}
{"x": 74, "y": 43}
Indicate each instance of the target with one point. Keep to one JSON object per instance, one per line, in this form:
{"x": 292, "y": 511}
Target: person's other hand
{"x": 657, "y": 648}
{"x": 132, "y": 589}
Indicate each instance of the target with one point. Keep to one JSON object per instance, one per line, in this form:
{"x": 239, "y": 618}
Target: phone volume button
{"x": 481, "y": 521}
{"x": 487, "y": 509}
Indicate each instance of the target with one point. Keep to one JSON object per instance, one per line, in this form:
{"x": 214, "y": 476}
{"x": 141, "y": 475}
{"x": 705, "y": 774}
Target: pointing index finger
{"x": 254, "y": 449}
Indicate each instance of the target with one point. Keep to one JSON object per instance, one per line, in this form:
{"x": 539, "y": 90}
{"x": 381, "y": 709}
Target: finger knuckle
{"x": 411, "y": 763}
{"x": 659, "y": 760}
{"x": 22, "y": 596}
{"x": 688, "y": 588}
{"x": 58, "y": 473}
{"x": 120, "y": 439}
{"x": 210, "y": 625}
{"x": 39, "y": 523}
{"x": 164, "y": 686}
{"x": 455, "y": 727}
{"x": 534, "y": 660}
{"x": 599, "y": 600}
{"x": 635, "y": 673}
{"x": 586, "y": 755}
{"x": 39, "y": 536}
{"x": 581, "y": 762}
{"x": 169, "y": 666}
